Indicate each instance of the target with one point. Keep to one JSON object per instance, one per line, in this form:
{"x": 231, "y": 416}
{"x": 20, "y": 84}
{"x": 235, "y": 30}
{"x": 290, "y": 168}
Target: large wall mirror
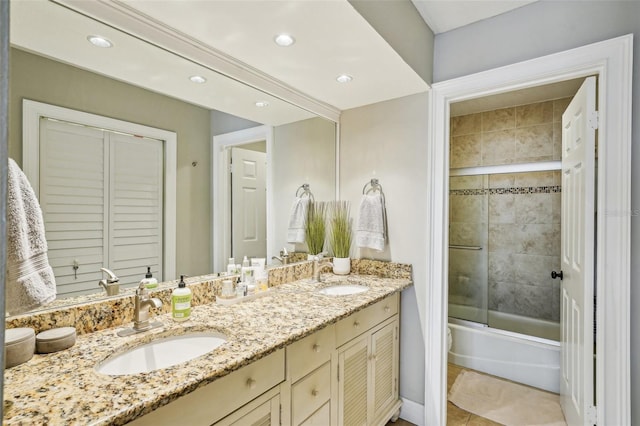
{"x": 145, "y": 86}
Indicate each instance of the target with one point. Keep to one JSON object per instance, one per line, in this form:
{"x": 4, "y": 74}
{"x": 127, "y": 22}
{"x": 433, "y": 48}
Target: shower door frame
{"x": 611, "y": 61}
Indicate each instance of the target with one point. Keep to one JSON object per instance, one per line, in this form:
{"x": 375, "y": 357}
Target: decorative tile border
{"x": 515, "y": 190}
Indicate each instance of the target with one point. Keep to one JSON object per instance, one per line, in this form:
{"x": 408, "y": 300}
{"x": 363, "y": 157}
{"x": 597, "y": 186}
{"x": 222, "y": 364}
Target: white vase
{"x": 341, "y": 265}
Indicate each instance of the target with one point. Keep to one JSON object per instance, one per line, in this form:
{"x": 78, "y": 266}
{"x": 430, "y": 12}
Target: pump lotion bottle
{"x": 181, "y": 301}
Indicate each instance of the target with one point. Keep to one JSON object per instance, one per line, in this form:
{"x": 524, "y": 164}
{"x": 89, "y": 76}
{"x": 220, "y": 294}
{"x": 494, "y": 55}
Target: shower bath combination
{"x": 504, "y": 240}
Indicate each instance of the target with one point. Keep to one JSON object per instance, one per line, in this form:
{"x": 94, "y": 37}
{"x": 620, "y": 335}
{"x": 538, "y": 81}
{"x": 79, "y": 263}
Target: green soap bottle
{"x": 181, "y": 301}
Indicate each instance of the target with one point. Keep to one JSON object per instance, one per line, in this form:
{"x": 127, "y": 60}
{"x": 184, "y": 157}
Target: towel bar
{"x": 465, "y": 247}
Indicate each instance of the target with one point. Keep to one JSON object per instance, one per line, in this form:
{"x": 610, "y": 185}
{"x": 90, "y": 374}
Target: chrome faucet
{"x": 111, "y": 284}
{"x": 142, "y": 302}
{"x": 284, "y": 257}
{"x": 318, "y": 266}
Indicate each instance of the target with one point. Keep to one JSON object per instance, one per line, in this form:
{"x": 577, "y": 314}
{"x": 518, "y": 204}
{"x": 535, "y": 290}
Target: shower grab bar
{"x": 465, "y": 247}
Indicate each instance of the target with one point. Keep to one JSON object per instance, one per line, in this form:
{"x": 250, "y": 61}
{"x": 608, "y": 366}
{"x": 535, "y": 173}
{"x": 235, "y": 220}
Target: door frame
{"x": 221, "y": 230}
{"x": 32, "y": 111}
{"x": 611, "y": 61}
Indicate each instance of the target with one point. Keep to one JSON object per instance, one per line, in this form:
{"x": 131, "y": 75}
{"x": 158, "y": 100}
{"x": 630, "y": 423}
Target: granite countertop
{"x": 64, "y": 388}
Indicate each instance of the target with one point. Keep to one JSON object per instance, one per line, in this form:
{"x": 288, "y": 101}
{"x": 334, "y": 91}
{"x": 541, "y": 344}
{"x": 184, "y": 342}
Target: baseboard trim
{"x": 412, "y": 412}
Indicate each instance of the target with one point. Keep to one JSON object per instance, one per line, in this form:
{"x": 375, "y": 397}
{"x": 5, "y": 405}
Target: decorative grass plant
{"x": 316, "y": 226}
{"x": 340, "y": 235}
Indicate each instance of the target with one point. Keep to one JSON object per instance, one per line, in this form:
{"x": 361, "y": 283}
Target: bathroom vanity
{"x": 293, "y": 357}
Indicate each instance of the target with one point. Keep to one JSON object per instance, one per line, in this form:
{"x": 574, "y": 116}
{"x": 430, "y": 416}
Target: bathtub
{"x": 522, "y": 358}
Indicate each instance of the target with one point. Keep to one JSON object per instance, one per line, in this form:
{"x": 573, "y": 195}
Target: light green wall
{"x": 40, "y": 79}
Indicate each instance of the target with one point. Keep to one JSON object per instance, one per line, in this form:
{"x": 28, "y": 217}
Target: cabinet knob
{"x": 316, "y": 348}
{"x": 356, "y": 324}
{"x": 372, "y": 357}
{"x": 251, "y": 384}
{"x": 387, "y": 309}
{"x": 314, "y": 393}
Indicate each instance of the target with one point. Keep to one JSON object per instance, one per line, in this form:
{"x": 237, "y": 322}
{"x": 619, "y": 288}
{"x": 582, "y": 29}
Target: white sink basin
{"x": 161, "y": 353}
{"x": 343, "y": 290}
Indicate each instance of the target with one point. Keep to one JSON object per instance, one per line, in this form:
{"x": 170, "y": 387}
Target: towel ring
{"x": 304, "y": 190}
{"x": 372, "y": 185}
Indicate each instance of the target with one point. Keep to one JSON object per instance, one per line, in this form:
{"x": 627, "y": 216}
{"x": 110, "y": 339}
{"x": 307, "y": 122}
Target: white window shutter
{"x": 136, "y": 217}
{"x": 72, "y": 197}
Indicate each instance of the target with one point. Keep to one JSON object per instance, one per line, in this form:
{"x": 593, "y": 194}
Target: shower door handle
{"x": 555, "y": 275}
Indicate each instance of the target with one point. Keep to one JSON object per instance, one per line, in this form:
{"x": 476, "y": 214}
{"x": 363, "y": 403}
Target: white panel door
{"x": 578, "y": 236}
{"x": 249, "y": 204}
{"x": 136, "y": 204}
{"x": 72, "y": 196}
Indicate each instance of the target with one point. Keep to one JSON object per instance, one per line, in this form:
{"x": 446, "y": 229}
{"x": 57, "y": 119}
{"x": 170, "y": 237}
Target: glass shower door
{"x": 468, "y": 254}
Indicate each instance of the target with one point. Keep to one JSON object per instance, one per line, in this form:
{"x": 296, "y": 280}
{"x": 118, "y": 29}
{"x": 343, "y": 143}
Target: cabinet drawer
{"x": 307, "y": 354}
{"x": 363, "y": 320}
{"x": 322, "y": 417}
{"x": 214, "y": 401}
{"x": 310, "y": 393}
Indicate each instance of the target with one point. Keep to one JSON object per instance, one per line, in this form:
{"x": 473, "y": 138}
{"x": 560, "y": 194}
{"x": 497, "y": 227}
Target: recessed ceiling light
{"x": 344, "y": 78}
{"x": 197, "y": 79}
{"x": 284, "y": 40}
{"x": 262, "y": 104}
{"x": 99, "y": 41}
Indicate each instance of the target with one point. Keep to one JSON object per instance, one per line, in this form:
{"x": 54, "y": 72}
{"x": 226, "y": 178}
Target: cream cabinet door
{"x": 384, "y": 368}
{"x": 368, "y": 376}
{"x": 264, "y": 411}
{"x": 353, "y": 372}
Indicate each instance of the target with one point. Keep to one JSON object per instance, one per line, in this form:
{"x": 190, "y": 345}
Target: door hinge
{"x": 594, "y": 119}
{"x": 591, "y": 415}
{"x": 338, "y": 374}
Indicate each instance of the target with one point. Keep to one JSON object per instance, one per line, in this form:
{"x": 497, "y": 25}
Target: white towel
{"x": 297, "y": 220}
{"x": 371, "y": 229}
{"x": 30, "y": 281}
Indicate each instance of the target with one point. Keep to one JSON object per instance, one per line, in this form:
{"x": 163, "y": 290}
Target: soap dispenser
{"x": 181, "y": 301}
{"x": 148, "y": 281}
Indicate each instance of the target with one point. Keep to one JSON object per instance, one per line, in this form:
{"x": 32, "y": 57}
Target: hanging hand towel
{"x": 297, "y": 220}
{"x": 371, "y": 229}
{"x": 30, "y": 281}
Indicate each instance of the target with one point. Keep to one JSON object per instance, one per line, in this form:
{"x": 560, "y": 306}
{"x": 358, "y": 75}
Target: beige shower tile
{"x": 534, "y": 179}
{"x": 499, "y": 119}
{"x": 532, "y": 301}
{"x": 559, "y": 106}
{"x": 506, "y": 180}
{"x": 466, "y": 151}
{"x": 557, "y": 177}
{"x": 467, "y": 234}
{"x": 557, "y": 141}
{"x": 498, "y": 147}
{"x": 556, "y": 207}
{"x": 532, "y": 114}
{"x": 503, "y": 238}
{"x": 466, "y": 182}
{"x": 534, "y": 142}
{"x": 467, "y": 208}
{"x": 533, "y": 208}
{"x": 555, "y": 239}
{"x": 534, "y": 269}
{"x": 501, "y": 267}
{"x": 502, "y": 208}
{"x": 466, "y": 124}
{"x": 541, "y": 239}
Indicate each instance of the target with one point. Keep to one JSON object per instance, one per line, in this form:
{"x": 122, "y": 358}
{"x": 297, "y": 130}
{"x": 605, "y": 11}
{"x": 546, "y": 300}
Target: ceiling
{"x": 331, "y": 39}
{"x": 446, "y": 15}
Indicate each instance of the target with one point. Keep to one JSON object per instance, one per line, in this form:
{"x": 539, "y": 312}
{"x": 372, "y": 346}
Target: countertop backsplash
{"x": 118, "y": 310}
